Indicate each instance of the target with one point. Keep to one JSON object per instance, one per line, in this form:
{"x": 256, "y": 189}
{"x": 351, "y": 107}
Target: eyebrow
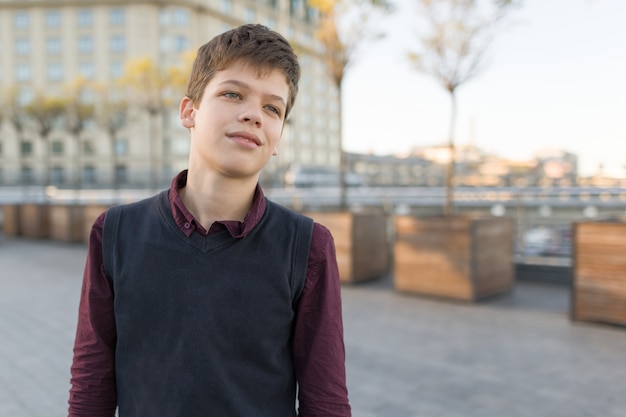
{"x": 241, "y": 84}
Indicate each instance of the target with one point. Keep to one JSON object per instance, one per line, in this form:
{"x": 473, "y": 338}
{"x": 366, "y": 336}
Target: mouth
{"x": 245, "y": 138}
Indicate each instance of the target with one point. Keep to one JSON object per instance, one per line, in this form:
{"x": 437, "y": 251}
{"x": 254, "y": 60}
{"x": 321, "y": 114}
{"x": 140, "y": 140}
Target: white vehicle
{"x": 319, "y": 176}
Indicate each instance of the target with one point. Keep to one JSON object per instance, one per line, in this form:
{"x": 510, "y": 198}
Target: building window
{"x": 26, "y": 148}
{"x": 89, "y": 148}
{"x": 121, "y": 147}
{"x": 181, "y": 44}
{"x": 87, "y": 70}
{"x": 23, "y": 72}
{"x": 226, "y": 6}
{"x": 53, "y": 19}
{"x": 85, "y": 18}
{"x": 22, "y": 46}
{"x": 21, "y": 19}
{"x": 117, "y": 44}
{"x": 85, "y": 44}
{"x": 53, "y": 45}
{"x": 181, "y": 17}
{"x": 89, "y": 174}
{"x": 116, "y": 69}
{"x": 249, "y": 15}
{"x": 121, "y": 174}
{"x": 116, "y": 17}
{"x": 25, "y": 96}
{"x": 54, "y": 71}
{"x": 26, "y": 175}
{"x": 57, "y": 175}
{"x": 164, "y": 17}
{"x": 56, "y": 148}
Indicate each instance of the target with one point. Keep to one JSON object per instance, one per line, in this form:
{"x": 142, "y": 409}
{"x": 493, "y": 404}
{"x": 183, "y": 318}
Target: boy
{"x": 208, "y": 299}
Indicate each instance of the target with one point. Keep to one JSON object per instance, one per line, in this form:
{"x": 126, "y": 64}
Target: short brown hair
{"x": 253, "y": 44}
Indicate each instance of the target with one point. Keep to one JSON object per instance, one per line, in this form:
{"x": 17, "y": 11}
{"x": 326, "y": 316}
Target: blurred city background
{"x": 504, "y": 109}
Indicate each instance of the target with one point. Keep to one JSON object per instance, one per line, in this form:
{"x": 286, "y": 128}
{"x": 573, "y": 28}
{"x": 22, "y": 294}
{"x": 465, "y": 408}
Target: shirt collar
{"x": 188, "y": 224}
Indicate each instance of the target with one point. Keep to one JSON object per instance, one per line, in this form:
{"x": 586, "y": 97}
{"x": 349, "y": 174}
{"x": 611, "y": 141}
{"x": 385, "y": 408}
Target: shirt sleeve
{"x": 93, "y": 390}
{"x": 319, "y": 351}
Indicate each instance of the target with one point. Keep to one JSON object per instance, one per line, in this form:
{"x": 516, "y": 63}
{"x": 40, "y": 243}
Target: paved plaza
{"x": 517, "y": 355}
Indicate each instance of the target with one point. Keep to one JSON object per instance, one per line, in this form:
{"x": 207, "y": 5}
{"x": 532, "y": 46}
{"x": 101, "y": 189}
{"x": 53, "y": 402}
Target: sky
{"x": 555, "y": 78}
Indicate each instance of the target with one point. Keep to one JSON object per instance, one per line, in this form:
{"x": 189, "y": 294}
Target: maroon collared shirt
{"x": 318, "y": 347}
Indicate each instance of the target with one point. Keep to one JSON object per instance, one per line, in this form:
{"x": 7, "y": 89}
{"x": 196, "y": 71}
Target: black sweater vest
{"x": 204, "y": 324}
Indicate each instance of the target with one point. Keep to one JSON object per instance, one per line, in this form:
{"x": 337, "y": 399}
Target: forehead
{"x": 265, "y": 78}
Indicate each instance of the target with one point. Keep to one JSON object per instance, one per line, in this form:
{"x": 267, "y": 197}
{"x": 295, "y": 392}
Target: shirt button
{"x": 187, "y": 225}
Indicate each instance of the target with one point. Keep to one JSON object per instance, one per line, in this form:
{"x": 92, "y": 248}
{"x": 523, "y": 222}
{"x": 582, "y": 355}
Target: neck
{"x": 213, "y": 199}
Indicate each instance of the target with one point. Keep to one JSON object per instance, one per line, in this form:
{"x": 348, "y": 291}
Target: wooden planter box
{"x": 90, "y": 214}
{"x": 599, "y": 284}
{"x": 360, "y": 241}
{"x": 67, "y": 222}
{"x": 11, "y": 219}
{"x": 456, "y": 257}
{"x": 34, "y": 220}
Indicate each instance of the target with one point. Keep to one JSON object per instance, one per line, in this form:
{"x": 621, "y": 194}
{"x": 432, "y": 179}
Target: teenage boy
{"x": 208, "y": 299}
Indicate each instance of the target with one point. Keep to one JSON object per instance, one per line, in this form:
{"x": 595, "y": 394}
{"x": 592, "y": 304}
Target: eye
{"x": 273, "y": 109}
{"x": 231, "y": 94}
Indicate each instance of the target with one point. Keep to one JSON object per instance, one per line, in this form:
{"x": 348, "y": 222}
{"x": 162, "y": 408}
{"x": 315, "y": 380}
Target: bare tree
{"x": 344, "y": 25}
{"x": 457, "y": 34}
{"x": 45, "y": 112}
{"x": 111, "y": 114}
{"x": 78, "y": 112}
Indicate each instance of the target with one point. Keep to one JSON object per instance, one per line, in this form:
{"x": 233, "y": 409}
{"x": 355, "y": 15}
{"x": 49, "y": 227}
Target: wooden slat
{"x": 600, "y": 272}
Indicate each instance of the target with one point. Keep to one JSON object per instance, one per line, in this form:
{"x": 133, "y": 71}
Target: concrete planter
{"x": 66, "y": 222}
{"x": 360, "y": 241}
{"x": 456, "y": 257}
{"x": 34, "y": 220}
{"x": 90, "y": 214}
{"x": 11, "y": 219}
{"x": 599, "y": 282}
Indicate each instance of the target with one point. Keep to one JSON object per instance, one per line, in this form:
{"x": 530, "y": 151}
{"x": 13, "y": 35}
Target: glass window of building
{"x": 22, "y": 46}
{"x": 85, "y": 18}
{"x": 53, "y": 19}
{"x": 181, "y": 17}
{"x": 181, "y": 43}
{"x": 27, "y": 176}
{"x": 121, "y": 147}
{"x": 226, "y": 6}
{"x": 21, "y": 19}
{"x": 57, "y": 175}
{"x": 164, "y": 44}
{"x": 121, "y": 174}
{"x": 249, "y": 15}
{"x": 25, "y": 96}
{"x": 54, "y": 71}
{"x": 117, "y": 44}
{"x": 85, "y": 44}
{"x": 87, "y": 70}
{"x": 23, "y": 72}
{"x": 53, "y": 45}
{"x": 57, "y": 148}
{"x": 26, "y": 148}
{"x": 116, "y": 69}
{"x": 89, "y": 174}
{"x": 116, "y": 17}
{"x": 271, "y": 23}
{"x": 89, "y": 147}
{"x": 164, "y": 17}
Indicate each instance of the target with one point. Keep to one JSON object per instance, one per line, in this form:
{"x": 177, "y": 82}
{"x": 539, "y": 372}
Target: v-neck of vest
{"x": 204, "y": 244}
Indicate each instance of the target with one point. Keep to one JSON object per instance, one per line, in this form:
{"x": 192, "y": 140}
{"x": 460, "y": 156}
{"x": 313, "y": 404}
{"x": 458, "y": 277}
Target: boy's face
{"x": 237, "y": 125}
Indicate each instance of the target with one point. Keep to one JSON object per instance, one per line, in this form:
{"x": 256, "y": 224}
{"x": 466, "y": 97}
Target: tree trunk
{"x": 450, "y": 170}
{"x": 343, "y": 186}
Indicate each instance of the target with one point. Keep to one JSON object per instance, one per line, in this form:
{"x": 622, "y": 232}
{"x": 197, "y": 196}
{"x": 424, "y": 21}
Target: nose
{"x": 251, "y": 116}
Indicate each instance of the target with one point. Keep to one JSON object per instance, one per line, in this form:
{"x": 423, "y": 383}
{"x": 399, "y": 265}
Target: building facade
{"x": 45, "y": 46}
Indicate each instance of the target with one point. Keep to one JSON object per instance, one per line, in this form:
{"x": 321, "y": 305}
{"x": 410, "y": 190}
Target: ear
{"x": 187, "y": 113}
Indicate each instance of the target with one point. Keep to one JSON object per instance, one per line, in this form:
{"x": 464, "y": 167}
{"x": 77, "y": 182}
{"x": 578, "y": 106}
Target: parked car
{"x": 319, "y": 176}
